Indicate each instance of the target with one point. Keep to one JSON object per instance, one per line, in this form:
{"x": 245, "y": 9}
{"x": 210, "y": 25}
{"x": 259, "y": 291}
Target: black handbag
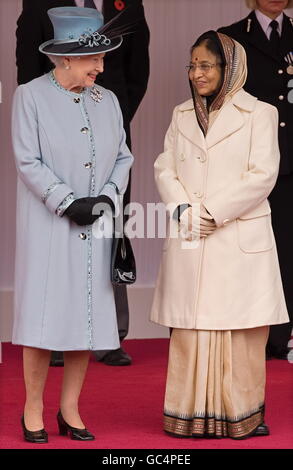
{"x": 123, "y": 267}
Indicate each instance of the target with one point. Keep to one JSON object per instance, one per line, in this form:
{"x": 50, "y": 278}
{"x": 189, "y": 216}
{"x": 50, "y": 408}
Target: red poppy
{"x": 119, "y": 5}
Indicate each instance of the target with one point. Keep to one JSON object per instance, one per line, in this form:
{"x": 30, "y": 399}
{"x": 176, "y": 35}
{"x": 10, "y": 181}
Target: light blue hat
{"x": 79, "y": 31}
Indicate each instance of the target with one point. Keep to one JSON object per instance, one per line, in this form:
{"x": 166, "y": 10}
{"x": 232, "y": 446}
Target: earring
{"x": 67, "y": 67}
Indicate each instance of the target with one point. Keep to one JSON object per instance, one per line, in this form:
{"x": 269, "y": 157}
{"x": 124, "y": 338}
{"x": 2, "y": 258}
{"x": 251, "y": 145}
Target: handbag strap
{"x": 123, "y": 248}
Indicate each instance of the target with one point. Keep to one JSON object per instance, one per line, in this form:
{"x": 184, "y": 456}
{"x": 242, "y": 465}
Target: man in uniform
{"x": 126, "y": 74}
{"x": 267, "y": 36}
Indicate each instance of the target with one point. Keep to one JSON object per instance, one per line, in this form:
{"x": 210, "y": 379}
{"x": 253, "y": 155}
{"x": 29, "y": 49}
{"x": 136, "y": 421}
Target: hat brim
{"x": 57, "y": 48}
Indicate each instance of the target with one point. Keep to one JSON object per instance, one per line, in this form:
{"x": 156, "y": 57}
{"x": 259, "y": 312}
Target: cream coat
{"x": 232, "y": 279}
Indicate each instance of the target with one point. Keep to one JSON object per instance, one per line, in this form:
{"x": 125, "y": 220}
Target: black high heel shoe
{"x": 37, "y": 437}
{"x": 76, "y": 434}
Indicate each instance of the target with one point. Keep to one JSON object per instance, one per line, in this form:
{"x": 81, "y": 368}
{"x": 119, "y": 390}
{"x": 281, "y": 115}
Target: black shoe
{"x": 75, "y": 433}
{"x": 262, "y": 430}
{"x": 57, "y": 359}
{"x": 274, "y": 354}
{"x": 37, "y": 437}
{"x": 281, "y": 355}
{"x": 117, "y": 357}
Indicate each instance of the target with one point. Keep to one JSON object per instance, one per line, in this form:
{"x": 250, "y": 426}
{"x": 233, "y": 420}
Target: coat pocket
{"x": 254, "y": 230}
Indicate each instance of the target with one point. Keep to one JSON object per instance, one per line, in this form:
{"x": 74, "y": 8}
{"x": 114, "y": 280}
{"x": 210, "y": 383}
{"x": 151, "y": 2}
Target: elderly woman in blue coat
{"x": 70, "y": 152}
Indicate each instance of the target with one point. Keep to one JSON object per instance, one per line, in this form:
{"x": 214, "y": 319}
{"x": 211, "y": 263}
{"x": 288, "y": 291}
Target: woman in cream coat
{"x": 219, "y": 284}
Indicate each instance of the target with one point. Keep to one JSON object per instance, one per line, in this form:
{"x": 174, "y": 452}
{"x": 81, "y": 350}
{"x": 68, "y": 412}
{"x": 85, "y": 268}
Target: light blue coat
{"x": 64, "y": 143}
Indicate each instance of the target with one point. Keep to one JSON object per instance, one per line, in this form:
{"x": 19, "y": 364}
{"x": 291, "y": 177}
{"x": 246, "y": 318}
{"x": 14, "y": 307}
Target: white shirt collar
{"x": 265, "y": 21}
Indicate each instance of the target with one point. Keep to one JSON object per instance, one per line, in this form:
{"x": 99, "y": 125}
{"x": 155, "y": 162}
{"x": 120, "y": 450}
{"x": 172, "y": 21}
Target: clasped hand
{"x": 193, "y": 225}
{"x": 81, "y": 210}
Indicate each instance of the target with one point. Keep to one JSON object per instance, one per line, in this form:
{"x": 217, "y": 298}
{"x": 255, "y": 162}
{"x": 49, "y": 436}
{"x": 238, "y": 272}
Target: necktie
{"x": 89, "y": 4}
{"x": 275, "y": 37}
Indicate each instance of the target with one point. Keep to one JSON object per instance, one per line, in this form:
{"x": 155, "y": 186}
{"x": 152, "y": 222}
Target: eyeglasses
{"x": 204, "y": 68}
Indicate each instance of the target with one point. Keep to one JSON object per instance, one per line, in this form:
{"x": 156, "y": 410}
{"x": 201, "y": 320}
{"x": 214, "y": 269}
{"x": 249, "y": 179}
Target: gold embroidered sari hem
{"x": 211, "y": 426}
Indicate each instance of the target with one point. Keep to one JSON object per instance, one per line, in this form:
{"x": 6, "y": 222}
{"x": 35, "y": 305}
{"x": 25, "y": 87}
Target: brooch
{"x": 96, "y": 94}
{"x": 93, "y": 39}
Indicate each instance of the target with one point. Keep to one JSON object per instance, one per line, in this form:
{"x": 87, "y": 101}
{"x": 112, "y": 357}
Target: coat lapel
{"x": 286, "y": 37}
{"x": 188, "y": 125}
{"x": 229, "y": 120}
{"x": 108, "y": 10}
{"x": 256, "y": 36}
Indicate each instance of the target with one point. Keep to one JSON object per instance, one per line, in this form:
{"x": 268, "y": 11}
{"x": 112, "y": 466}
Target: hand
{"x": 81, "y": 210}
{"x": 187, "y": 224}
{"x": 207, "y": 224}
{"x": 105, "y": 202}
{"x": 194, "y": 227}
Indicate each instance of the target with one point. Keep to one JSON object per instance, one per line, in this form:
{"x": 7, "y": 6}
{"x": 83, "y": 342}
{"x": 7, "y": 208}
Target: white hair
{"x": 252, "y": 4}
{"x": 57, "y": 60}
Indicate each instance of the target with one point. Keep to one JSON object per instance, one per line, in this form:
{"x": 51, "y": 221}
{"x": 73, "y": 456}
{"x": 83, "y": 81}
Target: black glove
{"x": 105, "y": 202}
{"x": 80, "y": 211}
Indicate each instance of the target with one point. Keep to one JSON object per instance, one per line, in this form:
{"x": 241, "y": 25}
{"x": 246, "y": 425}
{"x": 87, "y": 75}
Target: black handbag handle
{"x": 123, "y": 248}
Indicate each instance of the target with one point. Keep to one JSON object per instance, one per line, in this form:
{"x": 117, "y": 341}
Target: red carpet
{"x": 122, "y": 406}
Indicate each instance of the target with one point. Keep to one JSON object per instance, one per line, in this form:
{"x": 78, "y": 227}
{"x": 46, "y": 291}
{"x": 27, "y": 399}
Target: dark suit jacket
{"x": 126, "y": 68}
{"x": 267, "y": 76}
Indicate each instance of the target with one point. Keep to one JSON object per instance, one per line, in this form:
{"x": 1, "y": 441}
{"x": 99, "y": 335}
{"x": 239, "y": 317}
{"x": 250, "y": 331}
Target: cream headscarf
{"x": 234, "y": 78}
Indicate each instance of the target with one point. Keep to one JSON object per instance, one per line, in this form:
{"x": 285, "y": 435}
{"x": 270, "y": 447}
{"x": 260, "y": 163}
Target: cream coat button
{"x": 82, "y": 236}
{"x": 281, "y": 97}
{"x": 182, "y": 157}
{"x": 282, "y": 124}
{"x": 226, "y": 221}
{"x": 280, "y": 71}
{"x": 198, "y": 194}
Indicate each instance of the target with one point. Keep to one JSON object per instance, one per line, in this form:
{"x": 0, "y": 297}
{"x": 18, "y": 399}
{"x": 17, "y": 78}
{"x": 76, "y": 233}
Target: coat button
{"x": 282, "y": 124}
{"x": 182, "y": 157}
{"x": 226, "y": 221}
{"x": 198, "y": 194}
{"x": 281, "y": 97}
{"x": 82, "y": 236}
{"x": 76, "y": 100}
{"x": 84, "y": 130}
{"x": 280, "y": 71}
{"x": 201, "y": 158}
{"x": 87, "y": 165}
